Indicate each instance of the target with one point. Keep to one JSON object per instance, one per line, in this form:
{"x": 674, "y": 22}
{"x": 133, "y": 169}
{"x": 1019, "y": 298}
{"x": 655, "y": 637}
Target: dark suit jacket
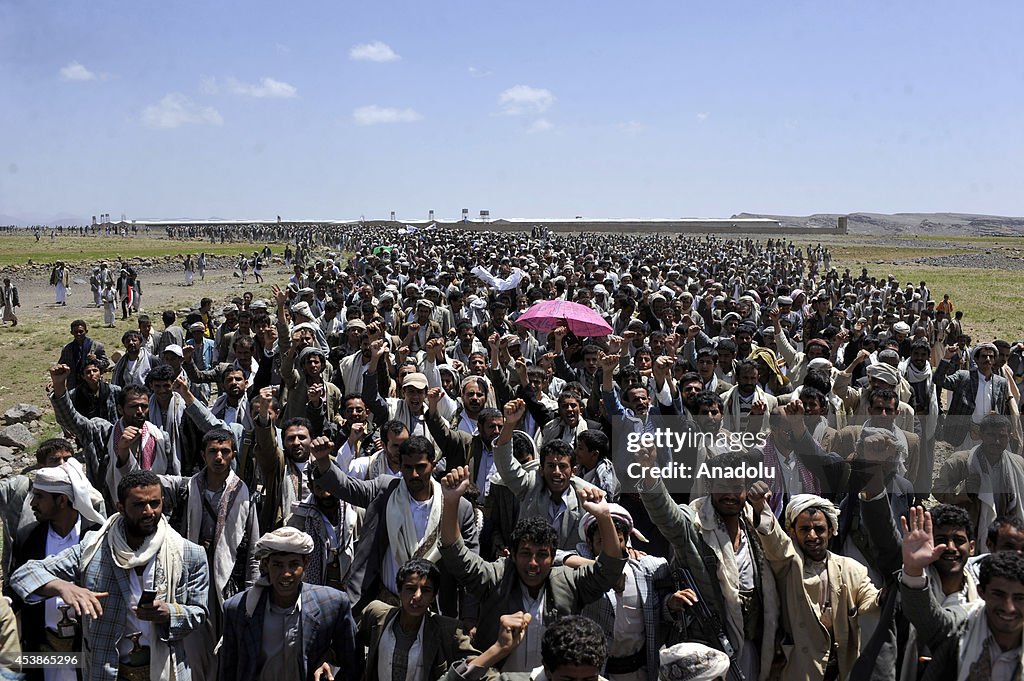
{"x": 31, "y": 545}
{"x": 845, "y": 444}
{"x": 92, "y": 347}
{"x": 444, "y": 642}
{"x": 328, "y": 634}
{"x": 964, "y": 385}
{"x": 433, "y": 331}
{"x": 362, "y": 582}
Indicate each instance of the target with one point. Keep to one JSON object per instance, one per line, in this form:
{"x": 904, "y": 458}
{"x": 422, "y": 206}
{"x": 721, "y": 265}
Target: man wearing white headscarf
{"x": 823, "y": 593}
{"x": 62, "y": 503}
{"x": 880, "y": 375}
{"x": 283, "y": 629}
{"x": 104, "y": 578}
{"x": 631, "y": 612}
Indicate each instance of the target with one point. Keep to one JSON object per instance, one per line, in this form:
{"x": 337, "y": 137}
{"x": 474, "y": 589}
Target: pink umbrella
{"x": 546, "y": 315}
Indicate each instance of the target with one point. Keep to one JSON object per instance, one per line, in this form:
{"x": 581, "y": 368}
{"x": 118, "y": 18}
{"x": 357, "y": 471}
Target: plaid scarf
{"x": 772, "y": 458}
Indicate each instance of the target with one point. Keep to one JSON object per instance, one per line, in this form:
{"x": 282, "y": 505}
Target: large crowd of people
{"x": 398, "y": 469}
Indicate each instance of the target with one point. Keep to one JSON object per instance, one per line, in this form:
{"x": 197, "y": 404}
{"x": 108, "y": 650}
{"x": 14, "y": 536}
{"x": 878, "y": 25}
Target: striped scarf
{"x": 772, "y": 459}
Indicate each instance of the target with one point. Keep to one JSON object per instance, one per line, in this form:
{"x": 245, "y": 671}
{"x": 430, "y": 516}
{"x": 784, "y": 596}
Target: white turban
{"x": 802, "y": 502}
{"x": 692, "y": 662}
{"x": 69, "y": 479}
{"x": 284, "y": 540}
{"x": 819, "y": 363}
{"x": 617, "y": 512}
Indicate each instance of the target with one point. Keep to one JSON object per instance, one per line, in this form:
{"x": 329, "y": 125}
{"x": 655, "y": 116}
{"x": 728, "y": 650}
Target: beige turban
{"x": 883, "y": 372}
{"x": 802, "y": 502}
{"x": 284, "y": 540}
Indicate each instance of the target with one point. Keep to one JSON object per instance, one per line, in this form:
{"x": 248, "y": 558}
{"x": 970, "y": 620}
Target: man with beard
{"x": 823, "y": 594}
{"x": 333, "y": 524}
{"x": 466, "y": 342}
{"x": 635, "y": 405}
{"x": 746, "y": 402}
{"x": 95, "y": 397}
{"x": 883, "y": 410}
{"x": 548, "y": 493}
{"x": 101, "y": 439}
{"x": 465, "y": 449}
{"x": 917, "y": 370}
{"x": 61, "y": 502}
{"x": 416, "y": 333}
{"x": 690, "y": 386}
{"x": 282, "y": 470}
{"x": 527, "y": 581}
{"x": 979, "y": 640}
{"x": 308, "y": 393}
{"x": 352, "y": 366}
{"x": 16, "y": 490}
{"x": 410, "y": 409}
{"x": 987, "y": 480}
{"x": 105, "y": 578}
{"x": 795, "y": 463}
{"x": 798, "y": 362}
{"x": 75, "y": 353}
{"x": 232, "y": 406}
{"x": 402, "y": 520}
{"x": 213, "y": 509}
{"x": 880, "y": 375}
{"x": 243, "y": 351}
{"x": 167, "y": 412}
{"x": 475, "y": 390}
{"x": 136, "y": 363}
{"x": 714, "y": 536}
{"x": 285, "y": 629}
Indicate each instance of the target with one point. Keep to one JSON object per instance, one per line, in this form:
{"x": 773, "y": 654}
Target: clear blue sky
{"x": 529, "y": 109}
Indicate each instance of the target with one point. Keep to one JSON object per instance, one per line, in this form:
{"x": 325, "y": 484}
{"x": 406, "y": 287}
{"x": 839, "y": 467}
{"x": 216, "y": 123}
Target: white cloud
{"x": 375, "y": 51}
{"x": 267, "y": 87}
{"x": 478, "y": 73}
{"x": 523, "y": 99}
{"x": 633, "y": 127}
{"x": 373, "y": 115}
{"x": 703, "y": 116}
{"x": 208, "y": 85}
{"x": 282, "y": 49}
{"x": 540, "y": 125}
{"x": 75, "y": 71}
{"x": 175, "y": 110}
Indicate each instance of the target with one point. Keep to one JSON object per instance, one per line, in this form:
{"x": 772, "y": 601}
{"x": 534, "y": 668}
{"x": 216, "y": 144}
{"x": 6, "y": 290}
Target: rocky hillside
{"x": 909, "y": 224}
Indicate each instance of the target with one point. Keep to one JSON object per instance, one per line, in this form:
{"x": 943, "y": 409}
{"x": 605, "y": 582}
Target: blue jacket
{"x": 328, "y": 635}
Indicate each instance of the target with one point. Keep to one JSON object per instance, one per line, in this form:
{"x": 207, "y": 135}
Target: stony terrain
{"x": 961, "y": 225}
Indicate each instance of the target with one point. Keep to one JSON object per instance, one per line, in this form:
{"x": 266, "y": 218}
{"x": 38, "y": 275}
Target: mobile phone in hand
{"x": 148, "y": 596}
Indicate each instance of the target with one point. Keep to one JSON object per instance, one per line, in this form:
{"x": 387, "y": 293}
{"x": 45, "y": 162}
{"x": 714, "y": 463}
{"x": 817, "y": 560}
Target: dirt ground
{"x": 29, "y": 349}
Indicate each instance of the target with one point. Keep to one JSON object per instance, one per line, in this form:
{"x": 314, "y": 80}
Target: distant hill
{"x": 907, "y": 224}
